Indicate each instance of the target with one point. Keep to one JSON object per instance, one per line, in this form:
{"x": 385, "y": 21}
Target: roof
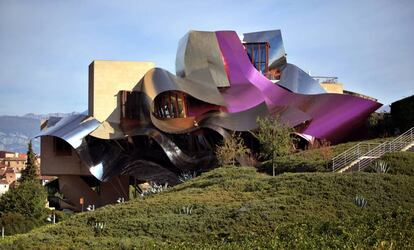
{"x": 47, "y": 177}
{"x": 14, "y": 159}
{"x": 6, "y": 152}
{"x": 4, "y": 182}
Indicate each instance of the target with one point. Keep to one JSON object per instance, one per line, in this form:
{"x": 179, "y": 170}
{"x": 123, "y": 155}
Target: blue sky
{"x": 46, "y": 46}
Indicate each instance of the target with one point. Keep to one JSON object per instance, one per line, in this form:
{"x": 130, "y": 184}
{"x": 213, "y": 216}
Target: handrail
{"x": 351, "y": 154}
{"x": 362, "y": 154}
{"x": 398, "y": 144}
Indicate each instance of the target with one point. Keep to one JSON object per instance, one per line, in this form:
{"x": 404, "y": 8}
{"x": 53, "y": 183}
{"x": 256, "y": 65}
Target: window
{"x": 258, "y": 54}
{"x": 61, "y": 147}
{"x": 130, "y": 105}
{"x": 171, "y": 104}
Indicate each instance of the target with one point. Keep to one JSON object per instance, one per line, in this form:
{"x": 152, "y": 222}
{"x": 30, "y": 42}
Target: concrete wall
{"x": 106, "y": 79}
{"x": 59, "y": 165}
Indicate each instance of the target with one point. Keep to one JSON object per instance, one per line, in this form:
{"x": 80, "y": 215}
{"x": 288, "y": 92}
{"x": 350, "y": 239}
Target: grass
{"x": 239, "y": 208}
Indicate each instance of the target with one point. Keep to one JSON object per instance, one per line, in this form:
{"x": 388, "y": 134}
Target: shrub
{"x": 27, "y": 199}
{"x": 15, "y": 223}
{"x": 400, "y": 162}
{"x": 232, "y": 148}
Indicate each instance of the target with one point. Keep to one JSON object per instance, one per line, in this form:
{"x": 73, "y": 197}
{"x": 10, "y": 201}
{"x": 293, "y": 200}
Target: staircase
{"x": 363, "y": 154}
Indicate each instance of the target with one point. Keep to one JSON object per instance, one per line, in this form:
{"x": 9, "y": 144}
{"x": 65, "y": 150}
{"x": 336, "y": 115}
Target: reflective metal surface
{"x": 298, "y": 81}
{"x": 198, "y": 58}
{"x": 333, "y": 115}
{"x": 72, "y": 129}
{"x": 212, "y": 68}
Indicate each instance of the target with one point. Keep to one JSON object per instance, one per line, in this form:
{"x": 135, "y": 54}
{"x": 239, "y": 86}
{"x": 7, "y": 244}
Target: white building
{"x": 4, "y": 187}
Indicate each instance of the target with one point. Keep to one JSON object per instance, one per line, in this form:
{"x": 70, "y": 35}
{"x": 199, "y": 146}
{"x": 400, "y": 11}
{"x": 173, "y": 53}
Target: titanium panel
{"x": 328, "y": 121}
{"x": 199, "y": 58}
{"x": 298, "y": 81}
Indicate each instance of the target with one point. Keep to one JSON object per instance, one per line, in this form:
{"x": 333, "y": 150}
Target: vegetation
{"x": 381, "y": 167}
{"x": 315, "y": 159}
{"x": 398, "y": 163}
{"x": 23, "y": 206}
{"x": 29, "y": 173}
{"x": 380, "y": 125}
{"x": 232, "y": 148}
{"x": 275, "y": 140}
{"x": 238, "y": 208}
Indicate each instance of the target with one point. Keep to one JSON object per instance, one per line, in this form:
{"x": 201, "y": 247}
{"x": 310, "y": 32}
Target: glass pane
{"x": 263, "y": 67}
{"x": 173, "y": 105}
{"x": 166, "y": 111}
{"x": 256, "y": 53}
{"x": 180, "y": 106}
{"x": 263, "y": 53}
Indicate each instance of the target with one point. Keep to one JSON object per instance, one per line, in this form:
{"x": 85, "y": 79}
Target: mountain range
{"x": 16, "y": 131}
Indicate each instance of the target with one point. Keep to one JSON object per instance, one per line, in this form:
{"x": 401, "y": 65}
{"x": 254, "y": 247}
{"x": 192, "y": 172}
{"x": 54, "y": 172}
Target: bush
{"x": 232, "y": 148}
{"x": 27, "y": 199}
{"x": 15, "y": 223}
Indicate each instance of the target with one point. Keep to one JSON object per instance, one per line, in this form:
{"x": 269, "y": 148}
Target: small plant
{"x": 154, "y": 188}
{"x": 187, "y": 176}
{"x": 360, "y": 201}
{"x": 381, "y": 167}
{"x": 186, "y": 210}
{"x": 99, "y": 228}
{"x": 233, "y": 147}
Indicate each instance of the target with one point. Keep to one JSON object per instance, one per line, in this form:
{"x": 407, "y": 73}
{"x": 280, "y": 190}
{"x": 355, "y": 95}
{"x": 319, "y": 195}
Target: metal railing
{"x": 351, "y": 155}
{"x": 363, "y": 158}
{"x": 398, "y": 144}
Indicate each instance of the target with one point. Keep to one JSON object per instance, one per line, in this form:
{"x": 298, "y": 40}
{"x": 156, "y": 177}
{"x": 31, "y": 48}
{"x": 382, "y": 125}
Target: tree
{"x": 232, "y": 147}
{"x": 274, "y": 137}
{"x": 23, "y": 206}
{"x": 27, "y": 199}
{"x": 30, "y": 171}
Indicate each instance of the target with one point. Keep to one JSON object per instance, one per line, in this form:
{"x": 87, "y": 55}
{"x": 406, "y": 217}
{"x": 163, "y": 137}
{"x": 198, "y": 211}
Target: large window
{"x": 171, "y": 104}
{"x": 259, "y": 57}
{"x": 258, "y": 54}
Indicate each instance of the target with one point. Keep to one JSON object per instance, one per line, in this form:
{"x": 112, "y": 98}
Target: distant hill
{"x": 16, "y": 131}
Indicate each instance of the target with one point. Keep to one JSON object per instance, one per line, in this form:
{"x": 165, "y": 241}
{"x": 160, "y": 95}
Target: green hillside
{"x": 238, "y": 208}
